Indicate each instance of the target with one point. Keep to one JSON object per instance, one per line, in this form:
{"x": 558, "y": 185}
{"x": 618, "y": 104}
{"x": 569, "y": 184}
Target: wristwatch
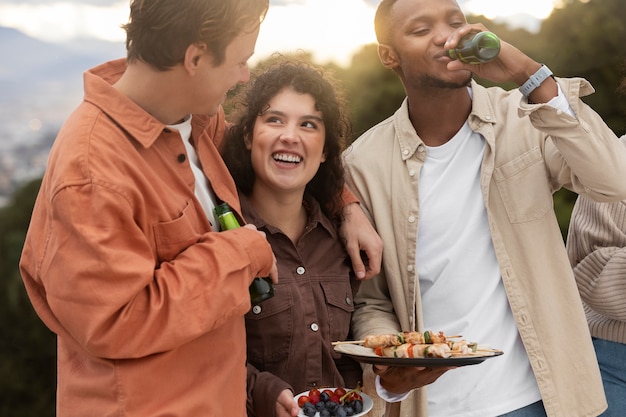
{"x": 535, "y": 80}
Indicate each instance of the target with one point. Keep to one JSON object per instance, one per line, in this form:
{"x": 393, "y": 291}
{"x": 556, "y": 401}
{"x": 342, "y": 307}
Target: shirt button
{"x": 409, "y": 268}
{"x": 315, "y": 327}
{"x": 348, "y": 300}
{"x": 421, "y": 148}
{"x": 412, "y": 173}
{"x": 411, "y": 219}
{"x": 181, "y": 158}
{"x": 256, "y": 309}
{"x": 300, "y": 270}
{"x": 405, "y": 152}
{"x": 487, "y": 117}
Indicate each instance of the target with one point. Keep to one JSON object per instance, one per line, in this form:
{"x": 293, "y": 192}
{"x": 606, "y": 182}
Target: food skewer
{"x": 361, "y": 342}
{"x": 420, "y": 344}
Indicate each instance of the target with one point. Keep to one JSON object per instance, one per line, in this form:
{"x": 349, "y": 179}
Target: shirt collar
{"x": 316, "y": 217}
{"x": 122, "y": 110}
{"x": 139, "y": 124}
{"x": 482, "y": 106}
{"x": 482, "y": 112}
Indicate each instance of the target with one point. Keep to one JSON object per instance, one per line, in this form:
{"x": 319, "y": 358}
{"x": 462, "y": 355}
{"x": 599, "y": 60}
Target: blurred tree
{"x": 373, "y": 92}
{"x": 27, "y": 347}
{"x": 586, "y": 39}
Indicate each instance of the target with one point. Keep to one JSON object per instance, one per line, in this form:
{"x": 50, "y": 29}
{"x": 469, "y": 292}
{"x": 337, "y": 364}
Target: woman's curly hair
{"x": 305, "y": 78}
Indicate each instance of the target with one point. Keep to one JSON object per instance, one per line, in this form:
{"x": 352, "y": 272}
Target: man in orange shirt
{"x": 122, "y": 259}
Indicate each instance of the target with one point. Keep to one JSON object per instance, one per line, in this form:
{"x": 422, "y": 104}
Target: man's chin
{"x": 213, "y": 110}
{"x": 452, "y": 85}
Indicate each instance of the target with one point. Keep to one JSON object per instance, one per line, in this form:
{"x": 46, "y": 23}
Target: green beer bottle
{"x": 261, "y": 289}
{"x": 476, "y": 48}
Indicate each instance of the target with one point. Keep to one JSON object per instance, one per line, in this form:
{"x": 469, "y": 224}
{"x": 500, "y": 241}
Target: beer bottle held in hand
{"x": 261, "y": 289}
{"x": 476, "y": 48}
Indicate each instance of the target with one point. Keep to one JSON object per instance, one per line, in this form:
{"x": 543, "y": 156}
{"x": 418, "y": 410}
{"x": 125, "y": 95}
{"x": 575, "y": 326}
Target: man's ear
{"x": 194, "y": 53}
{"x": 387, "y": 56}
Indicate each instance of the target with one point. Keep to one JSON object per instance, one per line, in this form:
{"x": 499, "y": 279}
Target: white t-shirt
{"x": 204, "y": 192}
{"x": 461, "y": 289}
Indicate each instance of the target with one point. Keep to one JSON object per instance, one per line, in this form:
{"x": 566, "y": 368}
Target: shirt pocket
{"x": 340, "y": 302}
{"x": 523, "y": 184}
{"x": 174, "y": 236}
{"x": 269, "y": 329}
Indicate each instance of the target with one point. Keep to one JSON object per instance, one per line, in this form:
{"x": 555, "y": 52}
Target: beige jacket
{"x": 532, "y": 151}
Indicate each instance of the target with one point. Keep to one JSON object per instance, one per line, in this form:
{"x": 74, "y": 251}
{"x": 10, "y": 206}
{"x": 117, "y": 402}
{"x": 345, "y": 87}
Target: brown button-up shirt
{"x": 289, "y": 336}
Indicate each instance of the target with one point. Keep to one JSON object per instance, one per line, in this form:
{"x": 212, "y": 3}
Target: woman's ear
{"x": 387, "y": 56}
{"x": 248, "y": 142}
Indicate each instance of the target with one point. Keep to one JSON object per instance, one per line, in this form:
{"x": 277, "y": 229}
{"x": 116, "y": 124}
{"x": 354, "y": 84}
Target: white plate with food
{"x": 368, "y": 355}
{"x": 341, "y": 396}
{"x": 410, "y": 348}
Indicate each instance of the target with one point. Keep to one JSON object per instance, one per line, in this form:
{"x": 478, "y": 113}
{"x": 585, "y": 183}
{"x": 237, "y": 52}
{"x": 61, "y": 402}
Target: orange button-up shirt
{"x": 121, "y": 263}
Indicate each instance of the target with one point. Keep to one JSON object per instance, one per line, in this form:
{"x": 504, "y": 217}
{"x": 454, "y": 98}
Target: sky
{"x": 330, "y": 29}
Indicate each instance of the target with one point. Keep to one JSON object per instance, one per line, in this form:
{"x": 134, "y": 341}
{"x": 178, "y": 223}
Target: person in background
{"x": 122, "y": 260}
{"x": 596, "y": 244}
{"x": 284, "y": 152}
{"x": 459, "y": 183}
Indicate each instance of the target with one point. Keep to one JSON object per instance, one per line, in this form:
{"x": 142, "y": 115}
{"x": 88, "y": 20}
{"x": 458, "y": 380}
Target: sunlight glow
{"x": 499, "y": 8}
{"x": 332, "y": 30}
{"x": 59, "y": 22}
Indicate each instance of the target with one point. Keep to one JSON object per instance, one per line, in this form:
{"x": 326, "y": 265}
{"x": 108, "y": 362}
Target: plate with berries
{"x": 334, "y": 402}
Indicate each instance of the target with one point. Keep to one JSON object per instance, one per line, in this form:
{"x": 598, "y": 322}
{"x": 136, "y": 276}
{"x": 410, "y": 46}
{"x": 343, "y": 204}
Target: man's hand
{"x": 285, "y": 405}
{"x": 274, "y": 271}
{"x": 359, "y": 236}
{"x": 401, "y": 379}
{"x": 511, "y": 65}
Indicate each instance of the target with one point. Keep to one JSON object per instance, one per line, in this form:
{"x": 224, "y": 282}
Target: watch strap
{"x": 535, "y": 80}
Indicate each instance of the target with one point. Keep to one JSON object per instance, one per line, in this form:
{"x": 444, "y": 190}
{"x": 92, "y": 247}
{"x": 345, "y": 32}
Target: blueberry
{"x": 357, "y": 406}
{"x": 331, "y": 406}
{"x": 309, "y": 411}
{"x": 324, "y": 396}
{"x": 340, "y": 411}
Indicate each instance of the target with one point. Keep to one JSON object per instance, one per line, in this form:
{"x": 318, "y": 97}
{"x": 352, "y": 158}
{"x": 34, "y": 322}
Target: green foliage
{"x": 374, "y": 93}
{"x": 27, "y": 347}
{"x": 563, "y": 205}
{"x": 586, "y": 39}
